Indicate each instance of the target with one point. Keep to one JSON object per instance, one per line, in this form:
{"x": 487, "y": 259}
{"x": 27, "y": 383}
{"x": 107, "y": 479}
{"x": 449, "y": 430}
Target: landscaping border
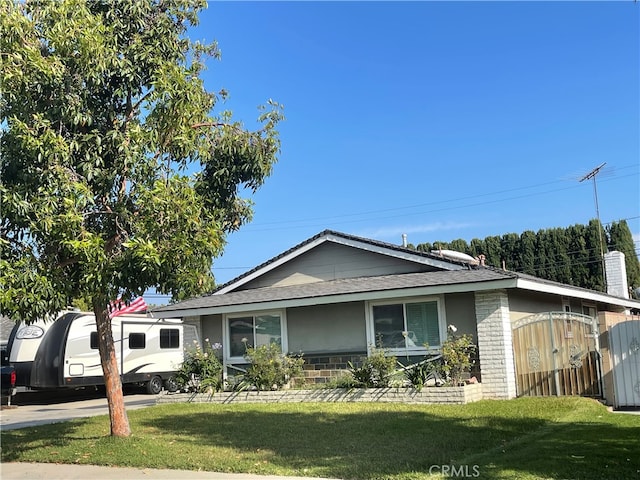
{"x": 444, "y": 395}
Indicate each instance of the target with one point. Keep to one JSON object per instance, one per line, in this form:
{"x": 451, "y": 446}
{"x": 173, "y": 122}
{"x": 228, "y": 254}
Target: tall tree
{"x": 527, "y": 253}
{"x": 104, "y": 116}
{"x": 510, "y": 247}
{"x": 595, "y": 237}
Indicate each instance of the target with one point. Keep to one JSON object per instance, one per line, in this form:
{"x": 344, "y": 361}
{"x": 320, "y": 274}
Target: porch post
{"x": 495, "y": 344}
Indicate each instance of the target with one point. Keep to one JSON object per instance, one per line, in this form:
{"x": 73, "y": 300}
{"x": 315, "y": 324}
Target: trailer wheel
{"x": 154, "y": 386}
{"x": 170, "y": 385}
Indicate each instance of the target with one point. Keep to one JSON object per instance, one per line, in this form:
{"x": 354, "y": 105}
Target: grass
{"x": 526, "y": 438}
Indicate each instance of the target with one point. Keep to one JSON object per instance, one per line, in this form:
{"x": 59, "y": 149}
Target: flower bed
{"x": 451, "y": 395}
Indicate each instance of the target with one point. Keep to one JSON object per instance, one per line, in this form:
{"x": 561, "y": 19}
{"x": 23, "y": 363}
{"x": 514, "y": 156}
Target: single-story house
{"x": 335, "y": 296}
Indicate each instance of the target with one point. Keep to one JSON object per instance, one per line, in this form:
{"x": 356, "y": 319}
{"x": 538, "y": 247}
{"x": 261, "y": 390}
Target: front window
{"x": 253, "y": 331}
{"x": 406, "y": 325}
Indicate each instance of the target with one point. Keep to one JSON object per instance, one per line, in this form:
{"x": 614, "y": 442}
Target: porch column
{"x": 495, "y": 344}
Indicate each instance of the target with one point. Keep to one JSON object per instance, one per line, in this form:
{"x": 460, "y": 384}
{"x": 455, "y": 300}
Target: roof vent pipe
{"x": 404, "y": 240}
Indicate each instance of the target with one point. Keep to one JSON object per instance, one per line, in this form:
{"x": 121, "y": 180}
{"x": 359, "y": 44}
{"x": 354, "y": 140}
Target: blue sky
{"x": 441, "y": 120}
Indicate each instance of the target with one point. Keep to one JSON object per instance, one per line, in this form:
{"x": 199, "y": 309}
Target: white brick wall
{"x": 616, "y": 274}
{"x": 495, "y": 345}
{"x": 448, "y": 395}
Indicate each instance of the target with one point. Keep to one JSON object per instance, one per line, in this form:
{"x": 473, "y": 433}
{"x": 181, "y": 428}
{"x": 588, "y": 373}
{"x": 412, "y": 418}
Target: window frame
{"x": 170, "y": 336}
{"x": 226, "y": 332}
{"x": 418, "y": 350}
{"x": 133, "y": 339}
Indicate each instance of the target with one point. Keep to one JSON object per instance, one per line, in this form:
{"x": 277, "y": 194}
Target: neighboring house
{"x": 334, "y": 296}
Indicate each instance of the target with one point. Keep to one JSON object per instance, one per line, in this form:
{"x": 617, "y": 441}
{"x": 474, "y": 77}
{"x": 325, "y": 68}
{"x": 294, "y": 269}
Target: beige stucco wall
{"x": 522, "y": 304}
{"x": 460, "y": 309}
{"x": 327, "y": 328}
{"x": 211, "y": 328}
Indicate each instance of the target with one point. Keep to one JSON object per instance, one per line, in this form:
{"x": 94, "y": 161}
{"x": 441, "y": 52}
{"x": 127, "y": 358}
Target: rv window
{"x": 137, "y": 340}
{"x": 94, "y": 340}
{"x": 169, "y": 338}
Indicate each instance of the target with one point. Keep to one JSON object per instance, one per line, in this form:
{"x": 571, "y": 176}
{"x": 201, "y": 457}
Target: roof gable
{"x": 386, "y": 251}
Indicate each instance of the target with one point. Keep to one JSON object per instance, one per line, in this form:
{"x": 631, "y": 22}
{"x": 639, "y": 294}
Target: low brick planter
{"x": 446, "y": 395}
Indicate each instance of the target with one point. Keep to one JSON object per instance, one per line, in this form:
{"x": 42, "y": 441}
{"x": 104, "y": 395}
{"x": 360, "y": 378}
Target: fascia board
{"x": 571, "y": 292}
{"x": 343, "y": 298}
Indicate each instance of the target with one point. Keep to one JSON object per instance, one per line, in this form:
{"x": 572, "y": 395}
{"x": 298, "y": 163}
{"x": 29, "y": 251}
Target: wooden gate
{"x": 556, "y": 353}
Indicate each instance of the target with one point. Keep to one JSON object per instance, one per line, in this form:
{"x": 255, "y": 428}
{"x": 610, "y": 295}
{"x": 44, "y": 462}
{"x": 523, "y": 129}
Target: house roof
{"x": 438, "y": 261}
{"x": 379, "y": 287}
{"x": 339, "y": 287}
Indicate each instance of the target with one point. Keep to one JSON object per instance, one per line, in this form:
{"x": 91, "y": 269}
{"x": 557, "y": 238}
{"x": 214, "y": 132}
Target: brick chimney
{"x": 616, "y": 272}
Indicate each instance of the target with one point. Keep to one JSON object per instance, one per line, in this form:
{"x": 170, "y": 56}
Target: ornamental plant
{"x": 270, "y": 369}
{"x": 201, "y": 370}
{"x": 376, "y": 370}
{"x": 456, "y": 356}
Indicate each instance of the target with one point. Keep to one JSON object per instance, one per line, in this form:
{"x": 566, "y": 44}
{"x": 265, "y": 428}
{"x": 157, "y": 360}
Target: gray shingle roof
{"x": 341, "y": 287}
{"x": 326, "y": 233}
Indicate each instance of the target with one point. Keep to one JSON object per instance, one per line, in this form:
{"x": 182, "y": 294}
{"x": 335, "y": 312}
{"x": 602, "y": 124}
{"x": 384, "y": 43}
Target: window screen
{"x": 169, "y": 338}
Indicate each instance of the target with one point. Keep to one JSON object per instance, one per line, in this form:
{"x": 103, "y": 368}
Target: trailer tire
{"x": 154, "y": 386}
{"x": 170, "y": 385}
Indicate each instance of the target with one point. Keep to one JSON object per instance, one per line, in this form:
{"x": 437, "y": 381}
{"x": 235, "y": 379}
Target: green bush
{"x": 269, "y": 369}
{"x": 376, "y": 370}
{"x": 421, "y": 373}
{"x": 456, "y": 356}
{"x": 201, "y": 370}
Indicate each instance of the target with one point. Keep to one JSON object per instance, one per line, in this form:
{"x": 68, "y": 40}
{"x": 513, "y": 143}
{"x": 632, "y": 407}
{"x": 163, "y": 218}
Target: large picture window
{"x": 406, "y": 326}
{"x": 253, "y": 331}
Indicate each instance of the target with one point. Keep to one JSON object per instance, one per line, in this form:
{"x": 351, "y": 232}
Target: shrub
{"x": 201, "y": 370}
{"x": 376, "y": 371}
{"x": 269, "y": 369}
{"x": 421, "y": 373}
{"x": 456, "y": 356}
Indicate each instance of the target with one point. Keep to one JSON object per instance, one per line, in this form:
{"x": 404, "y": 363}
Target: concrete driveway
{"x": 38, "y": 408}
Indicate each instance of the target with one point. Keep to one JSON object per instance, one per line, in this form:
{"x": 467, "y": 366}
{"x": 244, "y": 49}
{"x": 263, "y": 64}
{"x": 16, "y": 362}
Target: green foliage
{"x": 423, "y": 372}
{"x": 457, "y": 352}
{"x": 376, "y": 370}
{"x": 103, "y": 114}
{"x": 270, "y": 369}
{"x": 567, "y": 255}
{"x": 201, "y": 370}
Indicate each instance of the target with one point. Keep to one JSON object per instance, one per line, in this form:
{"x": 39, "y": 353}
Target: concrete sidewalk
{"x": 52, "y": 471}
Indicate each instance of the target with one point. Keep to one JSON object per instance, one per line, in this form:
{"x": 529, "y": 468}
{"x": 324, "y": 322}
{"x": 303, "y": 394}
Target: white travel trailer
{"x": 64, "y": 352}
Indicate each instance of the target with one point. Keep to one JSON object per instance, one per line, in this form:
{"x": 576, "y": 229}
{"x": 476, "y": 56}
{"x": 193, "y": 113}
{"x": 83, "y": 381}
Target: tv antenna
{"x": 592, "y": 176}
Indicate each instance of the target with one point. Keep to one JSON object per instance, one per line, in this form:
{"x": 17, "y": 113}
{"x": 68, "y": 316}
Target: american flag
{"x": 120, "y": 308}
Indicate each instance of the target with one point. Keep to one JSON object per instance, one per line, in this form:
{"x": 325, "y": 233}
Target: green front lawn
{"x": 526, "y": 438}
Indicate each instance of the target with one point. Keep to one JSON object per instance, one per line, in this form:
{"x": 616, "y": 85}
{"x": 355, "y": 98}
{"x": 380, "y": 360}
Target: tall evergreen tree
{"x": 580, "y": 255}
{"x": 595, "y": 235}
{"x": 527, "y": 253}
{"x": 510, "y": 247}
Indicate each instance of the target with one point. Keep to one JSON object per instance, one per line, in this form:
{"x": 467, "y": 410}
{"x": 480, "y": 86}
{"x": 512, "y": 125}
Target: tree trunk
{"x": 113, "y": 384}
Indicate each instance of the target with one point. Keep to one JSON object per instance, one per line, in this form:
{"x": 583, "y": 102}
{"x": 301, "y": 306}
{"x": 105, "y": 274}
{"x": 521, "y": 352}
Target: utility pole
{"x": 592, "y": 176}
